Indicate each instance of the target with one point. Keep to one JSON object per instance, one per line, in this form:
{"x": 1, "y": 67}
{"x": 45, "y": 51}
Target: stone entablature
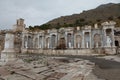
{"x": 110, "y": 23}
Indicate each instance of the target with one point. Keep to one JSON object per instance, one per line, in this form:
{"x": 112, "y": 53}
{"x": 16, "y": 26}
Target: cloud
{"x": 37, "y": 12}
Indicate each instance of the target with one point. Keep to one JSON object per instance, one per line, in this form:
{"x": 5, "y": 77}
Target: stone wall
{"x": 2, "y": 36}
{"x": 97, "y": 51}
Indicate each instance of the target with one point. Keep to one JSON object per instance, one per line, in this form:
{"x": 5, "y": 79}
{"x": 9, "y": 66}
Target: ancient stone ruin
{"x": 85, "y": 40}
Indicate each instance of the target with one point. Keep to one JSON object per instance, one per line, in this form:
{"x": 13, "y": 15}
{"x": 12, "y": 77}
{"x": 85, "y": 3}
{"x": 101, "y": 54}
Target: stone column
{"x": 83, "y": 41}
{"x": 23, "y": 41}
{"x": 66, "y": 40}
{"x": 90, "y": 44}
{"x": 75, "y": 41}
{"x": 26, "y": 42}
{"x": 55, "y": 41}
{"x": 8, "y": 54}
{"x": 39, "y": 45}
{"x": 105, "y": 40}
{"x": 43, "y": 42}
{"x": 87, "y": 44}
{"x": 108, "y": 41}
{"x": 40, "y": 42}
{"x": 113, "y": 40}
{"x": 72, "y": 40}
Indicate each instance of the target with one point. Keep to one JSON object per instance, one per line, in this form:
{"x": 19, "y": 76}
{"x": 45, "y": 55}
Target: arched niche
{"x": 109, "y": 37}
{"x": 78, "y": 41}
{"x": 87, "y": 39}
{"x": 69, "y": 40}
{"x": 61, "y": 43}
{"x": 53, "y": 41}
{"x": 116, "y": 43}
{"x": 97, "y": 40}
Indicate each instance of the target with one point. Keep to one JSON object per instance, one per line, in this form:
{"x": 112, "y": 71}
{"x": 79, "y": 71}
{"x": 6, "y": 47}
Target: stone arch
{"x": 97, "y": 40}
{"x": 78, "y": 41}
{"x": 108, "y": 32}
{"x": 116, "y": 43}
{"x": 109, "y": 37}
{"x": 87, "y": 39}
{"x": 53, "y": 41}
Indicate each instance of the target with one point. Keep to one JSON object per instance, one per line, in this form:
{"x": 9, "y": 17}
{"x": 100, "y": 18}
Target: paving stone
{"x": 27, "y": 74}
{"x": 16, "y": 77}
{"x": 47, "y": 74}
{"x": 40, "y": 77}
{"x": 91, "y": 76}
{"x": 55, "y": 76}
{"x": 57, "y": 69}
{"x": 78, "y": 77}
{"x": 40, "y": 70}
{"x": 4, "y": 72}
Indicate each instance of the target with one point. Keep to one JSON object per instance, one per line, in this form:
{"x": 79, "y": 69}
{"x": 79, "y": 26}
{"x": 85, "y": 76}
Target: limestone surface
{"x": 47, "y": 68}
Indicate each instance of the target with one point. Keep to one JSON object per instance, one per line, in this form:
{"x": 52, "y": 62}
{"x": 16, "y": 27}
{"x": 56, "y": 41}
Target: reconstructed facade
{"x": 67, "y": 41}
{"x": 71, "y": 40}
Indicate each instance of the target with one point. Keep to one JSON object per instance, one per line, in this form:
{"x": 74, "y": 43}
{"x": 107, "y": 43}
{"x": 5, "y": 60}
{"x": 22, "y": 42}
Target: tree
{"x": 98, "y": 20}
{"x": 80, "y": 22}
{"x": 110, "y": 18}
{"x": 31, "y": 28}
{"x": 118, "y": 17}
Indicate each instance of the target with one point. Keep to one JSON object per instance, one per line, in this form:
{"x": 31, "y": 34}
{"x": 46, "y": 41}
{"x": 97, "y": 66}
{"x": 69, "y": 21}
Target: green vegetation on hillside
{"x": 106, "y": 12}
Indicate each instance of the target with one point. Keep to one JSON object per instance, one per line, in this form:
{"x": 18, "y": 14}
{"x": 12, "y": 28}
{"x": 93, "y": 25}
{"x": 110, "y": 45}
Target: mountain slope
{"x": 98, "y": 15}
{"x": 104, "y": 12}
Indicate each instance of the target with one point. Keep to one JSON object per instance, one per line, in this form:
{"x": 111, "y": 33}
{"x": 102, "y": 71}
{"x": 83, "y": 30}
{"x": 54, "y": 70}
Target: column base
{"x": 7, "y": 55}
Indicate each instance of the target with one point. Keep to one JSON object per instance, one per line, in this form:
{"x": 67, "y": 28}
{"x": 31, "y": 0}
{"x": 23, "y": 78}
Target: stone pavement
{"x": 111, "y": 57}
{"x": 48, "y": 68}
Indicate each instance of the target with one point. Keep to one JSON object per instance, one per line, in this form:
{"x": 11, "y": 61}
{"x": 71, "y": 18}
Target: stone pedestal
{"x": 110, "y": 50}
{"x": 8, "y": 54}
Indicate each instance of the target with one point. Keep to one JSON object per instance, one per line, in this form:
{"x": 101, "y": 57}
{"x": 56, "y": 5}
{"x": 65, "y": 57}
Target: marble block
{"x": 8, "y": 54}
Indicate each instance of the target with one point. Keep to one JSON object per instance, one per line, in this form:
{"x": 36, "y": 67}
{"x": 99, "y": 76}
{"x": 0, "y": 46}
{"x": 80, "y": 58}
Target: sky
{"x": 38, "y": 12}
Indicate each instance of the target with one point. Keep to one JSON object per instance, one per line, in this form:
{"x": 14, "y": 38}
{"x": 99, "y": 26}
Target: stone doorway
{"x": 87, "y": 39}
{"x": 109, "y": 37}
{"x": 53, "y": 41}
{"x": 117, "y": 46}
{"x": 116, "y": 43}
